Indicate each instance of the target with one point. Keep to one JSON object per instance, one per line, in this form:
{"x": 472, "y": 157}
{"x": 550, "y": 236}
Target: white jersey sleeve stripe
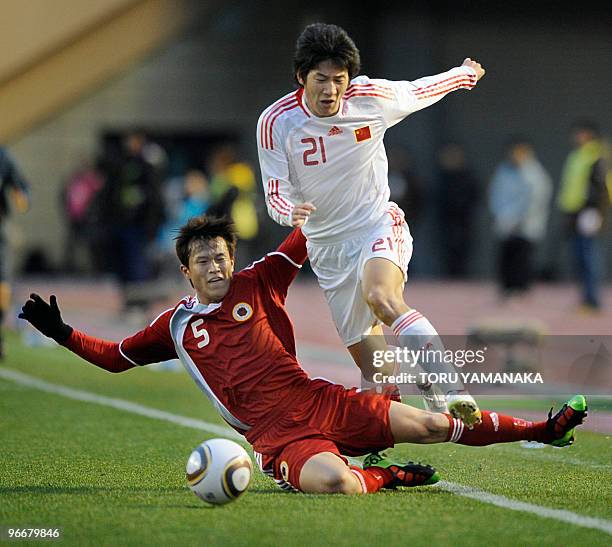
{"x": 162, "y": 313}
{"x": 124, "y": 355}
{"x": 285, "y": 257}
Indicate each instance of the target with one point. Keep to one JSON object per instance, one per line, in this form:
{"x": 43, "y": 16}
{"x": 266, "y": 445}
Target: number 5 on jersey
{"x": 198, "y": 332}
{"x": 317, "y": 150}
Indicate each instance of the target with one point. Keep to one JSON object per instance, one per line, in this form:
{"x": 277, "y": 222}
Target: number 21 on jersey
{"x": 316, "y": 149}
{"x": 381, "y": 245}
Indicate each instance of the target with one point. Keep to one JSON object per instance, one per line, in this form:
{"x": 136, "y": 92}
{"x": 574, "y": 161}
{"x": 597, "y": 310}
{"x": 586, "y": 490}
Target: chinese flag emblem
{"x": 363, "y": 134}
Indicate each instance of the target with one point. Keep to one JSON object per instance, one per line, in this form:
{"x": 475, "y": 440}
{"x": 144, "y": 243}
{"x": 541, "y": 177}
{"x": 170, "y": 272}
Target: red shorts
{"x": 334, "y": 419}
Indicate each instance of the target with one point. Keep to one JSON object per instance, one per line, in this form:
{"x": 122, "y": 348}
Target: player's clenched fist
{"x": 480, "y": 72}
{"x": 300, "y": 214}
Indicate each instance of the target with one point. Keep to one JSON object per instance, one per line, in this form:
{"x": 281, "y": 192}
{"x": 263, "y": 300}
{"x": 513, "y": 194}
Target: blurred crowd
{"x": 519, "y": 199}
{"x": 124, "y": 207}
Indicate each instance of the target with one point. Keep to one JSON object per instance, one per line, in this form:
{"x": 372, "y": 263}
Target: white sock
{"x": 415, "y": 332}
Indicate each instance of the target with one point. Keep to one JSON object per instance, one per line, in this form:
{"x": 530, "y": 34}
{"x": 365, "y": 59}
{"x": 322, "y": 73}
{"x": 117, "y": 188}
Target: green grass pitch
{"x": 110, "y": 477}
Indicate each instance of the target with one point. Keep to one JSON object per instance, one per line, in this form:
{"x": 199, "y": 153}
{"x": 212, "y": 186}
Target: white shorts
{"x": 339, "y": 269}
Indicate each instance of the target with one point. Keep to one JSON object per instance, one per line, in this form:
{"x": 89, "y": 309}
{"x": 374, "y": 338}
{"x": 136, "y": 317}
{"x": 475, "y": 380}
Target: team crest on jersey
{"x": 242, "y": 311}
{"x": 335, "y": 130}
{"x": 363, "y": 134}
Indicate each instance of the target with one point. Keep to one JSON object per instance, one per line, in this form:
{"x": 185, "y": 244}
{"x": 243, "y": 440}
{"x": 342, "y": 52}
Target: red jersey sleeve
{"x": 280, "y": 267}
{"x": 153, "y": 344}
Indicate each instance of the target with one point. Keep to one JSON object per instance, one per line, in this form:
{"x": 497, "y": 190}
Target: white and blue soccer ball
{"x": 219, "y": 471}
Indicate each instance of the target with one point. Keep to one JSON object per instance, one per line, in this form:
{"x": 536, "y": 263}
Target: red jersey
{"x": 240, "y": 351}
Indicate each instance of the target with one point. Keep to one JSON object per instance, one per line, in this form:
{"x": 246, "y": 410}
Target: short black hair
{"x": 321, "y": 42}
{"x": 204, "y": 228}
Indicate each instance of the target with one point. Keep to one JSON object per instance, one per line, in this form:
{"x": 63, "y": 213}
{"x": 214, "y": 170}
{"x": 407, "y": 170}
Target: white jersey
{"x": 339, "y": 162}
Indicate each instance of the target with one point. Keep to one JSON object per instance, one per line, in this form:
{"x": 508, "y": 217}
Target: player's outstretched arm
{"x": 410, "y": 97}
{"x": 47, "y": 318}
{"x": 280, "y": 267}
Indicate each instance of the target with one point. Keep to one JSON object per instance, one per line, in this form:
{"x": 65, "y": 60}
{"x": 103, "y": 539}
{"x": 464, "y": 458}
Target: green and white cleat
{"x": 562, "y": 426}
{"x": 463, "y": 407}
{"x": 404, "y": 474}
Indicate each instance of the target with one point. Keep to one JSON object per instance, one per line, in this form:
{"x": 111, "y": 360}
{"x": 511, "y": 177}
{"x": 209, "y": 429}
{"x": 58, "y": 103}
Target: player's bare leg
{"x": 363, "y": 354}
{"x": 383, "y": 290}
{"x": 326, "y": 473}
{"x": 413, "y": 425}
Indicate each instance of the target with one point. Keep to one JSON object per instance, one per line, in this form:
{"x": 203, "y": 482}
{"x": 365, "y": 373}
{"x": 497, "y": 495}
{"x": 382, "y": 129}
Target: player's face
{"x": 324, "y": 87}
{"x": 210, "y": 269}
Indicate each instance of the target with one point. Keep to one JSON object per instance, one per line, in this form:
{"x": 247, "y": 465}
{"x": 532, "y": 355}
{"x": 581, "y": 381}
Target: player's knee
{"x": 341, "y": 482}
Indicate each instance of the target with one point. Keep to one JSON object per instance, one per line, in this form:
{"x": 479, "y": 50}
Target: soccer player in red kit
{"x": 236, "y": 341}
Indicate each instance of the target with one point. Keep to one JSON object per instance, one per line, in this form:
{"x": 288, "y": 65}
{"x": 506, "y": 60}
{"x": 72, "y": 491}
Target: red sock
{"x": 396, "y": 394}
{"x": 371, "y": 479}
{"x": 496, "y": 428}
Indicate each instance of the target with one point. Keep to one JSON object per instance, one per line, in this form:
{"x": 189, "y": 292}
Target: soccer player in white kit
{"x": 324, "y": 168}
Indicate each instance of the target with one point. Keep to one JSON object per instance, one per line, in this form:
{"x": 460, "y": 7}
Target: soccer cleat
{"x": 407, "y": 474}
{"x": 463, "y": 407}
{"x": 562, "y": 426}
{"x": 433, "y": 398}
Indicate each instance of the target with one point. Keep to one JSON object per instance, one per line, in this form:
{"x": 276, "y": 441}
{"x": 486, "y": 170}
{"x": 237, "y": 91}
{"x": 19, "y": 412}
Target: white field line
{"x": 515, "y": 505}
{"x": 457, "y": 489}
{"x": 120, "y": 404}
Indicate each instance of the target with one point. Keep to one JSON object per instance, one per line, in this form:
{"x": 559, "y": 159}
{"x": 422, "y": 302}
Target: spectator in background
{"x": 459, "y": 193}
{"x": 584, "y": 199}
{"x": 14, "y": 194}
{"x": 406, "y": 187}
{"x": 232, "y": 193}
{"x": 519, "y": 201}
{"x": 78, "y": 199}
{"x": 194, "y": 201}
{"x": 133, "y": 212}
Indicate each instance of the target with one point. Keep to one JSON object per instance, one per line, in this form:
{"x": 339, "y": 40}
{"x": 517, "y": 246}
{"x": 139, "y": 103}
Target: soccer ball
{"x": 219, "y": 471}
